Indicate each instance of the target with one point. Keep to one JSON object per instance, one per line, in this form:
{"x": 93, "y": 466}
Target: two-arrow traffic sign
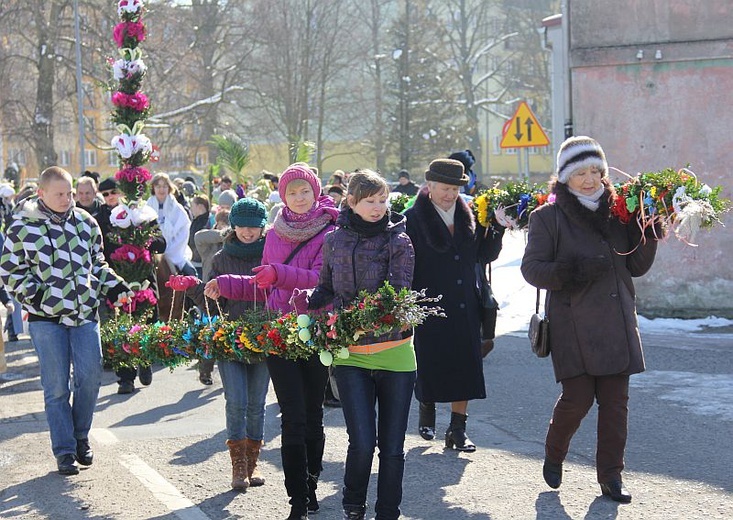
{"x": 523, "y": 130}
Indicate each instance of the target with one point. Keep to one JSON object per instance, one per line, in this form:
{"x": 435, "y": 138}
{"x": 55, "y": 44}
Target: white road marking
{"x": 163, "y": 490}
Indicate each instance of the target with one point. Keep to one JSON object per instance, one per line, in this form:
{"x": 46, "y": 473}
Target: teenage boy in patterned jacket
{"x": 52, "y": 261}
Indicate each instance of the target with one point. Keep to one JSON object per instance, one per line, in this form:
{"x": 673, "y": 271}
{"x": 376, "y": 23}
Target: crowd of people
{"x": 297, "y": 246}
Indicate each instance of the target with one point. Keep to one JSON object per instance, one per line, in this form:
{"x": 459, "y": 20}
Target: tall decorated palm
{"x": 134, "y": 225}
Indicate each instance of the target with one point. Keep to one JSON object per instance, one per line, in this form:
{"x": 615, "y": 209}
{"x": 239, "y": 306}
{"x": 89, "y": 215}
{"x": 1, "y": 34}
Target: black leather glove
{"x": 564, "y": 271}
{"x": 157, "y": 245}
{"x": 114, "y": 293}
{"x": 591, "y": 268}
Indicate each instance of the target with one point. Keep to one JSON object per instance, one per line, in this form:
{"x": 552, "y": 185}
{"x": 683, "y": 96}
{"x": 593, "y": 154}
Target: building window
{"x": 90, "y": 157}
{"x": 511, "y": 151}
{"x": 497, "y": 143}
{"x": 177, "y": 160}
{"x": 17, "y": 156}
{"x": 113, "y": 159}
{"x": 64, "y": 158}
{"x": 202, "y": 159}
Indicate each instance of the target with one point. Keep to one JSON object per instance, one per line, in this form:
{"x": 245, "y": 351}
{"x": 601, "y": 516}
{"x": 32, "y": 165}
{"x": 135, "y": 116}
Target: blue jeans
{"x": 58, "y": 348}
{"x": 360, "y": 391}
{"x": 245, "y": 392}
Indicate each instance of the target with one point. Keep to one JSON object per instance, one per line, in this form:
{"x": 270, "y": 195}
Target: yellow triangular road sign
{"x": 523, "y": 130}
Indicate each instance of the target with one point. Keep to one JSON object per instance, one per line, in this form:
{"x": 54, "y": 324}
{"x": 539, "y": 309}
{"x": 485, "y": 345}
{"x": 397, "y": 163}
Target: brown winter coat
{"x": 593, "y": 324}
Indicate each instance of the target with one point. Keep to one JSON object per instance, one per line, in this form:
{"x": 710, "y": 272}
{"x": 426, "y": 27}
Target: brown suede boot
{"x": 237, "y": 451}
{"x": 253, "y": 453}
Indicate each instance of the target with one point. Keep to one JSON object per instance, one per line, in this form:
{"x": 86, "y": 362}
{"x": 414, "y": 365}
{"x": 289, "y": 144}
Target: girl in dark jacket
{"x": 586, "y": 258}
{"x": 245, "y": 384}
{"x": 448, "y": 245}
{"x": 368, "y": 247}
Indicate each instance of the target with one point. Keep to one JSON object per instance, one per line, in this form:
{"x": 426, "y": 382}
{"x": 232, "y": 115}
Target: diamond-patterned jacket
{"x": 56, "y": 270}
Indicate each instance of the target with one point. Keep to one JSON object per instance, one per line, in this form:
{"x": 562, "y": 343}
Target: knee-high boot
{"x": 314, "y": 450}
{"x": 295, "y": 467}
{"x": 455, "y": 435}
{"x": 238, "y": 454}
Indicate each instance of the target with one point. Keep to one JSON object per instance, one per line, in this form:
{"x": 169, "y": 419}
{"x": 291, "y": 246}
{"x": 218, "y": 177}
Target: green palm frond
{"x": 233, "y": 154}
{"x": 304, "y": 151}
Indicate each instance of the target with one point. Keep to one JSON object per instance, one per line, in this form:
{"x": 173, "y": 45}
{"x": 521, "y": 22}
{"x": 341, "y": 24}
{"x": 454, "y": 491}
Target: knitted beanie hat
{"x": 248, "y": 212}
{"x": 447, "y": 171}
{"x": 295, "y": 171}
{"x": 579, "y": 152}
{"x": 228, "y": 198}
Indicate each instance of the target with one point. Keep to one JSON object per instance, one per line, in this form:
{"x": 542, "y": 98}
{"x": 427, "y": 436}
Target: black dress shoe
{"x": 552, "y": 473}
{"x": 12, "y": 338}
{"x": 145, "y": 374}
{"x": 84, "y": 453}
{"x": 66, "y": 466}
{"x": 126, "y": 387}
{"x": 616, "y": 491}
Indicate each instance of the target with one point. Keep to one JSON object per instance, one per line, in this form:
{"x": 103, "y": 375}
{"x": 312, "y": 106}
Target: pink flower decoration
{"x": 133, "y": 174}
{"x": 128, "y": 29}
{"x": 135, "y": 328}
{"x": 137, "y": 101}
{"x": 131, "y": 253}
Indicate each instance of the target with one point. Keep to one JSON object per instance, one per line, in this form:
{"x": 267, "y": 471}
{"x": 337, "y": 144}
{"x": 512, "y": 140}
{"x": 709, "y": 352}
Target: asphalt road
{"x": 160, "y": 452}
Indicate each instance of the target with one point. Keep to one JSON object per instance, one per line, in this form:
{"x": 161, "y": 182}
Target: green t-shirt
{"x": 395, "y": 359}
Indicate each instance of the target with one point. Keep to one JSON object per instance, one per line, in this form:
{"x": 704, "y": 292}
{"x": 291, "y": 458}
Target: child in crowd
{"x": 291, "y": 260}
{"x": 370, "y": 246}
{"x": 245, "y": 384}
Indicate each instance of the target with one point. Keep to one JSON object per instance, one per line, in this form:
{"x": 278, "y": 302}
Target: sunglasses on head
{"x": 108, "y": 193}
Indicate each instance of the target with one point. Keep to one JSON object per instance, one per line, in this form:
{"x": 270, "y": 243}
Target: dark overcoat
{"x": 593, "y": 324}
{"x": 448, "y": 350}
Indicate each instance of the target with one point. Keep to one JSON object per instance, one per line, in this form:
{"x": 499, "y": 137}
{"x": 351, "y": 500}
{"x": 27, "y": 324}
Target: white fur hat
{"x": 579, "y": 152}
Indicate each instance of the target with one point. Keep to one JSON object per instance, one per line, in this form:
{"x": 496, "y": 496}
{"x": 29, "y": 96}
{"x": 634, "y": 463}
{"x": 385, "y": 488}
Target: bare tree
{"x": 424, "y": 90}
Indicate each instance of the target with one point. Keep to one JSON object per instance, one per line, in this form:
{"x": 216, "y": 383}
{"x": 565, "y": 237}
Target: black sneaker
{"x": 84, "y": 453}
{"x": 145, "y": 374}
{"x": 66, "y": 466}
{"x": 126, "y": 387}
{"x": 12, "y": 338}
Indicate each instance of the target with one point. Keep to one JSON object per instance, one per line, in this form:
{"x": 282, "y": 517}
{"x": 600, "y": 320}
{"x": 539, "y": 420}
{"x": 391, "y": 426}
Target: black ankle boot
{"x": 615, "y": 490}
{"x": 455, "y": 435}
{"x": 426, "y": 424}
{"x": 552, "y": 474}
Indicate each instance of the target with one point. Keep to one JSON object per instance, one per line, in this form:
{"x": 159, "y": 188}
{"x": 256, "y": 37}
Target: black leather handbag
{"x": 539, "y": 331}
{"x": 489, "y": 305}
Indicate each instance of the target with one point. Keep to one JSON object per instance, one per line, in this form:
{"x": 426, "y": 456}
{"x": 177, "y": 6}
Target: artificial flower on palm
{"x": 675, "y": 198}
{"x": 508, "y": 205}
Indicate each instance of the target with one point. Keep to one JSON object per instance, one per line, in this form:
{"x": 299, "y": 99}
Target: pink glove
{"x": 265, "y": 276}
{"x": 299, "y": 301}
{"x": 181, "y": 283}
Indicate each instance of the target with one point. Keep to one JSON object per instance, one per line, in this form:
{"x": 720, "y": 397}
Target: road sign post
{"x": 523, "y": 130}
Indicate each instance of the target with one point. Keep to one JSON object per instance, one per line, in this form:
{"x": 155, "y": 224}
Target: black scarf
{"x": 56, "y": 218}
{"x": 238, "y": 249}
{"x": 364, "y": 228}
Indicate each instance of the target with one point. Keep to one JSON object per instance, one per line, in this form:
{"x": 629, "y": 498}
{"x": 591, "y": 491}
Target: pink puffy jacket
{"x": 300, "y": 273}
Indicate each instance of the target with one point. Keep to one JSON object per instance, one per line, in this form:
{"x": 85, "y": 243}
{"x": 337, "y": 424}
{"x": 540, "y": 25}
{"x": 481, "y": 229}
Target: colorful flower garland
{"x": 671, "y": 197}
{"x": 258, "y": 334}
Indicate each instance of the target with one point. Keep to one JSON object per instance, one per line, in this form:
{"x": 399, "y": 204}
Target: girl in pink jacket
{"x": 291, "y": 260}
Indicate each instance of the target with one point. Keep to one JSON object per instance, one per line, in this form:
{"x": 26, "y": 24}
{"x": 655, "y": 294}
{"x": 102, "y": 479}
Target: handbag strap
{"x": 294, "y": 252}
{"x": 554, "y": 256}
